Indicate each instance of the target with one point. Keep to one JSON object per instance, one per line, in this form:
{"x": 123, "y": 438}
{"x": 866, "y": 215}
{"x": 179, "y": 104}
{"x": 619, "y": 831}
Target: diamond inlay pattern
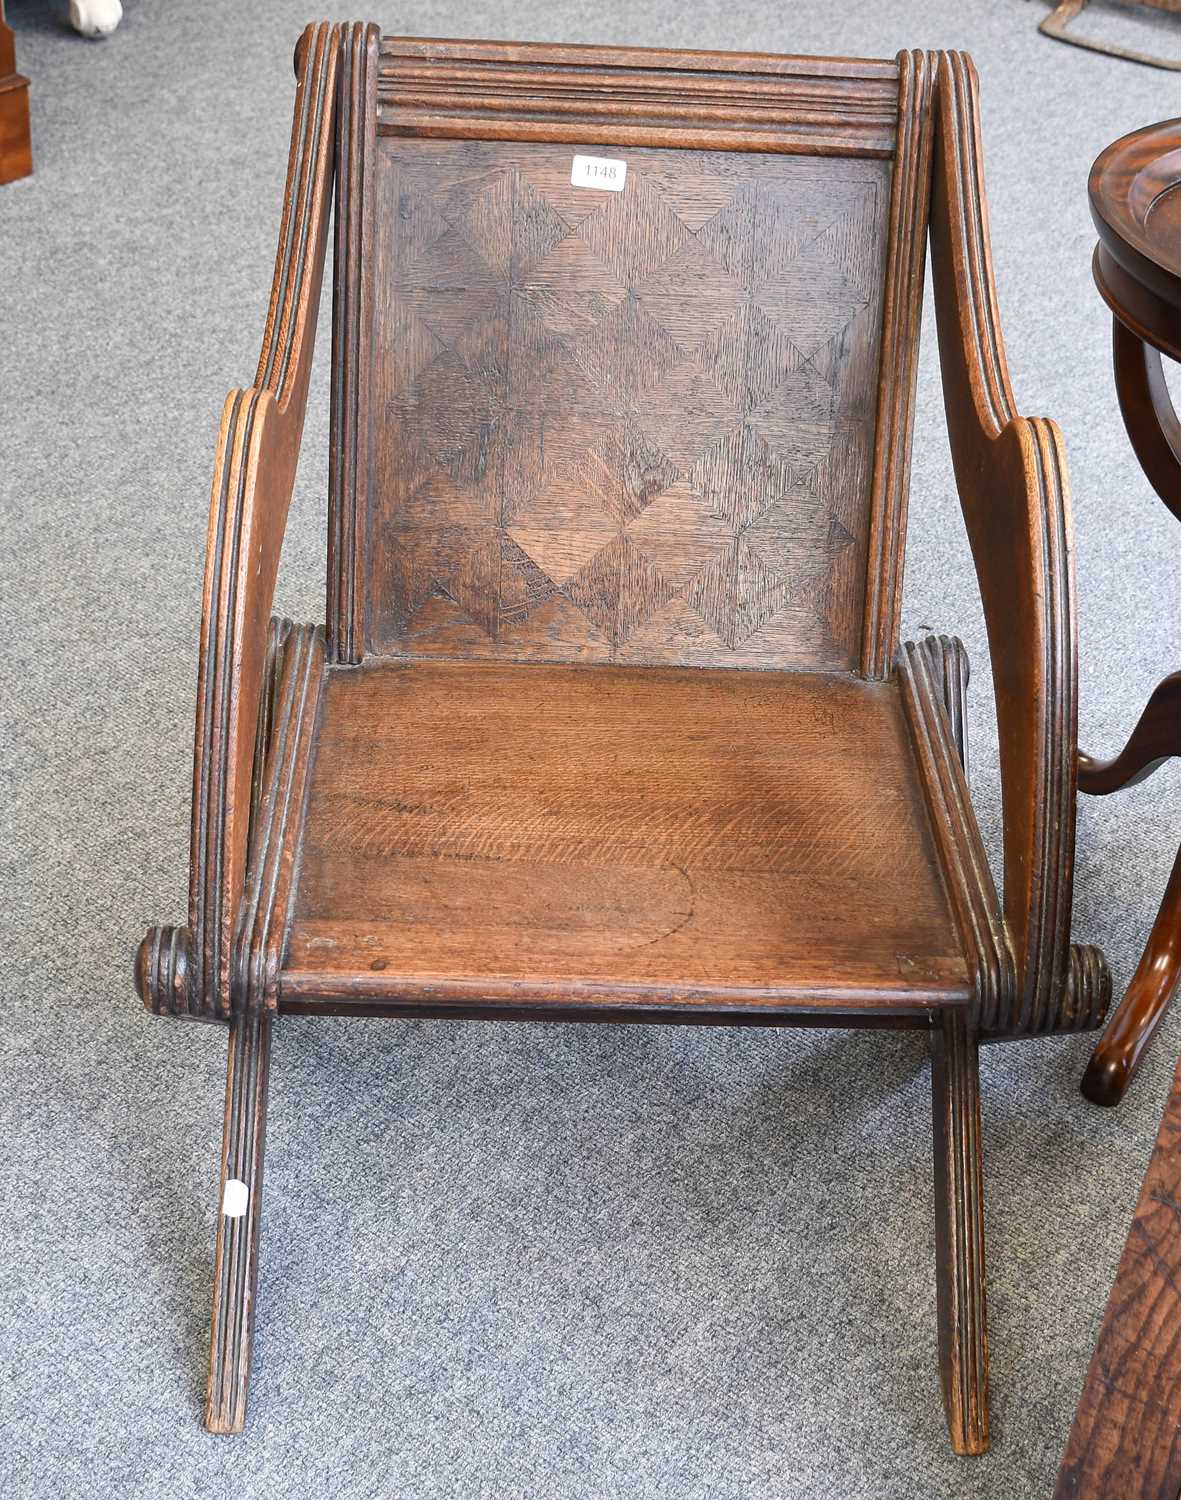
{"x": 628, "y": 426}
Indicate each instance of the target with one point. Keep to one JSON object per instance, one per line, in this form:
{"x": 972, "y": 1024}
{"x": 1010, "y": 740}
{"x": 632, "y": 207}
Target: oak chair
{"x": 608, "y": 720}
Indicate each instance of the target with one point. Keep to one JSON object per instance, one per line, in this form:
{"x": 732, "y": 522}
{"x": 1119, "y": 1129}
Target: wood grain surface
{"x": 560, "y": 831}
{"x": 1015, "y": 495}
{"x": 590, "y": 452}
{"x": 352, "y": 321}
{"x": 577, "y": 460}
{"x": 1126, "y": 1438}
{"x": 629, "y": 96}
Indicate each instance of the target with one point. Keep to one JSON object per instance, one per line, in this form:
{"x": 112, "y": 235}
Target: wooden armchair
{"x": 609, "y": 720}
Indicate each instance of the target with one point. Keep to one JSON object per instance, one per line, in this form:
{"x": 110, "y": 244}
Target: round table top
{"x": 1135, "y": 191}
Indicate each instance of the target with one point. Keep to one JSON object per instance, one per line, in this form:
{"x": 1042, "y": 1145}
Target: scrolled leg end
{"x": 164, "y": 976}
{"x": 1087, "y": 996}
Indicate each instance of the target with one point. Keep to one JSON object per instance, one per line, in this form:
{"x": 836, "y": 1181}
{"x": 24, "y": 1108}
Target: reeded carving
{"x": 523, "y": 92}
{"x": 1014, "y": 492}
{"x": 959, "y": 1233}
{"x": 258, "y": 449}
{"x": 235, "y": 1266}
{"x": 277, "y": 635}
{"x": 164, "y": 975}
{"x": 934, "y": 676}
{"x": 167, "y": 962}
{"x": 278, "y": 818}
{"x": 949, "y": 662}
{"x": 928, "y": 670}
{"x": 1087, "y": 995}
{"x": 660, "y": 478}
{"x": 251, "y": 492}
{"x": 348, "y": 473}
{"x": 907, "y": 258}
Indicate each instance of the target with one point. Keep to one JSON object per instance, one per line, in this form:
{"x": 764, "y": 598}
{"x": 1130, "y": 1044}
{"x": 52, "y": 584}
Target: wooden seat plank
{"x": 565, "y": 831}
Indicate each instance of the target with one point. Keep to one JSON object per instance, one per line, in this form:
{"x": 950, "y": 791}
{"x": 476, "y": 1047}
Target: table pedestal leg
{"x": 1133, "y": 1024}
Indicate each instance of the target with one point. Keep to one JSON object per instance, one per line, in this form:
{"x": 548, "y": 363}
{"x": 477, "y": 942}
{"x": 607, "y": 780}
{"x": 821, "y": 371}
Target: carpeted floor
{"x": 499, "y": 1261}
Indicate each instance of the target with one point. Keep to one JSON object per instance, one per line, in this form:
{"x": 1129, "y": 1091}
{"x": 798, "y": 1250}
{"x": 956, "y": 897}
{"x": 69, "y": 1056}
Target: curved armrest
{"x": 1014, "y": 491}
{"x": 188, "y": 972}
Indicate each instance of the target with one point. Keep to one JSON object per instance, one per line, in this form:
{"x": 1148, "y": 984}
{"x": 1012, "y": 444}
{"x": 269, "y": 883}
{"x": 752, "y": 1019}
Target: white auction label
{"x": 235, "y": 1198}
{"x": 598, "y": 172}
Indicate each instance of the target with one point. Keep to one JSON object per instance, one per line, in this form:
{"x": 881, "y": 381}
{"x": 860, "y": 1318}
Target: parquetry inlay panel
{"x": 628, "y": 426}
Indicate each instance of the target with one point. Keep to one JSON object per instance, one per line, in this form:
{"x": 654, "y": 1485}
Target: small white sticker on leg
{"x": 235, "y": 1198}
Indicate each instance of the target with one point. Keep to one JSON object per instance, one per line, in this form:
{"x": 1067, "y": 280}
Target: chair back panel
{"x": 636, "y": 423}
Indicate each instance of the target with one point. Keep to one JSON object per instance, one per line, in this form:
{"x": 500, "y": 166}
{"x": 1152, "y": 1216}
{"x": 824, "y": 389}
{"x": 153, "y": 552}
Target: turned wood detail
{"x": 1125, "y": 1437}
{"x": 258, "y": 447}
{"x": 1086, "y": 999}
{"x": 352, "y": 321}
{"x": 1134, "y": 205}
{"x": 959, "y": 1232}
{"x": 1012, "y": 481}
{"x": 903, "y": 308}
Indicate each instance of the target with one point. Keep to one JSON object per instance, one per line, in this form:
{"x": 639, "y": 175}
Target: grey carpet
{"x": 499, "y": 1261}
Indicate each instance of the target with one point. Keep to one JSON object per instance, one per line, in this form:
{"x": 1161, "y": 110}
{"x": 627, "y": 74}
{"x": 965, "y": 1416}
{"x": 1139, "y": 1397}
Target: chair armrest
{"x": 188, "y": 971}
{"x": 1014, "y": 491}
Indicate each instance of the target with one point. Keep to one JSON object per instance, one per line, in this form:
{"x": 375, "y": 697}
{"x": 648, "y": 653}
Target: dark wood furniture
{"x": 1126, "y": 1437}
{"x": 1135, "y": 191}
{"x": 1065, "y": 11}
{"x": 609, "y": 719}
{"x": 16, "y": 147}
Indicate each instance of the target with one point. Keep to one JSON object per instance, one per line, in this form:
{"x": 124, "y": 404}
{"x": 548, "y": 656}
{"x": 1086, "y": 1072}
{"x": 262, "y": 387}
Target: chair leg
{"x": 959, "y": 1232}
{"x": 1122, "y": 1047}
{"x": 235, "y": 1268}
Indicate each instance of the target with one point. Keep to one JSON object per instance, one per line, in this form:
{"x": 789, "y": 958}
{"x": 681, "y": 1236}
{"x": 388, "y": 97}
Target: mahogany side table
{"x": 1126, "y": 1437}
{"x": 1135, "y": 191}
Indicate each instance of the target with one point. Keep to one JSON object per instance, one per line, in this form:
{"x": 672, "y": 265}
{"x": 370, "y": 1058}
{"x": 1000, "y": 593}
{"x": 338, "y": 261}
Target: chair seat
{"x": 487, "y": 833}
